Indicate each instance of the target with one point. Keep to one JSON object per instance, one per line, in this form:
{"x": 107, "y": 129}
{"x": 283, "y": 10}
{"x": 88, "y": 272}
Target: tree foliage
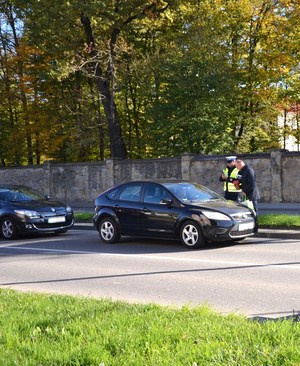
{"x": 88, "y": 80}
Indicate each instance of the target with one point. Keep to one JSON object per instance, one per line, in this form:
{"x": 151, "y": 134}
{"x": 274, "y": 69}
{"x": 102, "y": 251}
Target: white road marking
{"x": 160, "y": 257}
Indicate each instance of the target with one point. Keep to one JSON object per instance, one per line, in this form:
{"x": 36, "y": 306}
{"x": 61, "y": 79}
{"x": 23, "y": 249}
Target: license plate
{"x": 246, "y": 226}
{"x": 55, "y": 219}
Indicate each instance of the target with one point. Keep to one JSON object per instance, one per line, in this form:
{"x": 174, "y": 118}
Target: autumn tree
{"x": 144, "y": 78}
{"x": 96, "y": 36}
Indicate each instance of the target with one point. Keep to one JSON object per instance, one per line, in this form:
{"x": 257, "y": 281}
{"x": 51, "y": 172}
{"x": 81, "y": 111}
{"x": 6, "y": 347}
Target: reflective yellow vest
{"x": 228, "y": 186}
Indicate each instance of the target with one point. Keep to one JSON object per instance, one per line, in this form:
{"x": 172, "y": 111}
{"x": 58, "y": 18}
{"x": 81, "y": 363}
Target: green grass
{"x": 37, "y": 329}
{"x": 53, "y": 330}
{"x": 273, "y": 220}
{"x": 83, "y": 216}
{"x": 279, "y": 220}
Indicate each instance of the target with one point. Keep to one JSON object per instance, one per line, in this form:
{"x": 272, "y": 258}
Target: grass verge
{"x": 279, "y": 220}
{"x": 52, "y": 330}
{"x": 83, "y": 216}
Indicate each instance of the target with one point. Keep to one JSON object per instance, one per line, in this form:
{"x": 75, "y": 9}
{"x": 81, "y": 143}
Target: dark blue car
{"x": 172, "y": 210}
{"x": 25, "y": 211}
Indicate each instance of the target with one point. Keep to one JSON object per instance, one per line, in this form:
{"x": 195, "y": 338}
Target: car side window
{"x": 155, "y": 194}
{"x": 4, "y": 195}
{"x": 131, "y": 193}
{"x": 112, "y": 194}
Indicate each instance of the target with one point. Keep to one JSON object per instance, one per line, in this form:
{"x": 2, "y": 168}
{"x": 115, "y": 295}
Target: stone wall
{"x": 278, "y": 175}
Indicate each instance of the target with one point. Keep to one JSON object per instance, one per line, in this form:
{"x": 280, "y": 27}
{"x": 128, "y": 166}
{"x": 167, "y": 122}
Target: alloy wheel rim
{"x": 190, "y": 235}
{"x": 7, "y": 228}
{"x": 107, "y": 230}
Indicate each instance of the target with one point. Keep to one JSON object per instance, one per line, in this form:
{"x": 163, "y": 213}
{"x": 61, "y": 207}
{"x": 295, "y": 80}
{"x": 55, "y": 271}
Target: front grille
{"x": 58, "y": 212}
{"x": 47, "y": 225}
{"x": 51, "y": 226}
{"x": 241, "y": 233}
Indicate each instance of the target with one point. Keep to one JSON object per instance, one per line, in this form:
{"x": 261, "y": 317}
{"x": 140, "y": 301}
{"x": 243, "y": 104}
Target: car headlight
{"x": 28, "y": 213}
{"x": 212, "y": 215}
{"x": 68, "y": 209}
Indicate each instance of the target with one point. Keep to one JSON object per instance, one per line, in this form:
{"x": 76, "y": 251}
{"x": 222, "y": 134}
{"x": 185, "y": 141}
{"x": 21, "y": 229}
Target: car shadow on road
{"x": 175, "y": 245}
{"x": 68, "y": 243}
{"x": 167, "y": 245}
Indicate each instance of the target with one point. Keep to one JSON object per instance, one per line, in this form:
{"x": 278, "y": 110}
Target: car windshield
{"x": 192, "y": 192}
{"x": 18, "y": 194}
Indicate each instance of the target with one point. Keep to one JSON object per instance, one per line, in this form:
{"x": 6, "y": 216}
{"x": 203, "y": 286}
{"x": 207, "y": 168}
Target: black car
{"x": 173, "y": 210}
{"x": 25, "y": 211}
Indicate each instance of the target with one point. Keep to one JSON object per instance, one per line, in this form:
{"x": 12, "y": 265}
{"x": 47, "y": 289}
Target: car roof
{"x": 159, "y": 181}
{"x": 12, "y": 186}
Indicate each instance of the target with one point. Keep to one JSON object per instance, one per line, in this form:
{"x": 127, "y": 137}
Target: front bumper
{"x": 31, "y": 226}
{"x": 238, "y": 230}
{"x": 47, "y": 223}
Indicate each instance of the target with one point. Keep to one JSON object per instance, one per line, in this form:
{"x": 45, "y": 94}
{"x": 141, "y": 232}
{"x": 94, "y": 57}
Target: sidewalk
{"x": 289, "y": 208}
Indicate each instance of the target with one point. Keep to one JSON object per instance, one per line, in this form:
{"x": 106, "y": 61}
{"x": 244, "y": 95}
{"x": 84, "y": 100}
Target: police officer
{"x": 247, "y": 179}
{"x": 228, "y": 176}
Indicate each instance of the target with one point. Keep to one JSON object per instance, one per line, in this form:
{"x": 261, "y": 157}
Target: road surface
{"x": 256, "y": 277}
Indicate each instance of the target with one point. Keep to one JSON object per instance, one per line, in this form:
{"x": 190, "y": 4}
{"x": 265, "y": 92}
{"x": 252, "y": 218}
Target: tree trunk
{"x": 23, "y": 98}
{"x": 117, "y": 145}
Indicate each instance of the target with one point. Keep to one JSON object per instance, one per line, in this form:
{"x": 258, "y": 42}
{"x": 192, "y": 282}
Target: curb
{"x": 83, "y": 226}
{"x": 278, "y": 234}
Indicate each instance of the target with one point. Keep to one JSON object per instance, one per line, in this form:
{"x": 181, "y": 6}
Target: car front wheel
{"x": 191, "y": 235}
{"x": 8, "y": 229}
{"x": 108, "y": 231}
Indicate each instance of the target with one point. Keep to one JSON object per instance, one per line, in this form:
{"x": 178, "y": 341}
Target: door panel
{"x": 128, "y": 208}
{"x": 158, "y": 218}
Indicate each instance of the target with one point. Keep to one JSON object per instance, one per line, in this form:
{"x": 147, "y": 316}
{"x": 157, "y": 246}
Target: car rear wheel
{"x": 108, "y": 231}
{"x": 8, "y": 229}
{"x": 191, "y": 235}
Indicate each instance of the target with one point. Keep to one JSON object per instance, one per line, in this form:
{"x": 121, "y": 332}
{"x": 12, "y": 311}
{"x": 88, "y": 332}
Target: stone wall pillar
{"x": 110, "y": 172}
{"x": 186, "y": 166}
{"x": 48, "y": 188}
{"x": 276, "y": 176}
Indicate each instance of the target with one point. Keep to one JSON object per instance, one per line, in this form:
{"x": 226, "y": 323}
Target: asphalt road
{"x": 256, "y": 277}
